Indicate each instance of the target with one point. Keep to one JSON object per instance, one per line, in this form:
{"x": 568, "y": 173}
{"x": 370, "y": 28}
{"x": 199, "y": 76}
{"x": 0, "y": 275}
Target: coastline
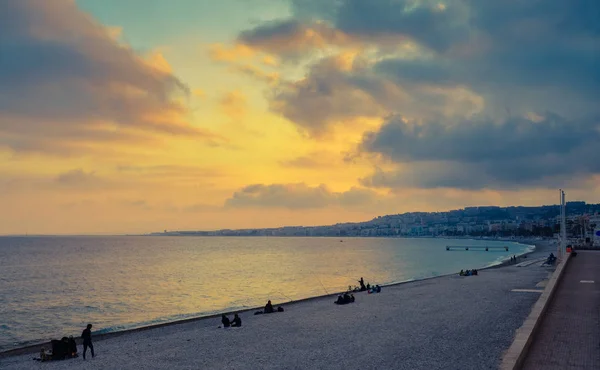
{"x": 34, "y": 348}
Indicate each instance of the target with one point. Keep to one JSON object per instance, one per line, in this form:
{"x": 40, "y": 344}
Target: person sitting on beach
{"x": 225, "y": 321}
{"x": 269, "y": 307}
{"x": 474, "y": 272}
{"x": 468, "y": 273}
{"x": 72, "y": 347}
{"x": 461, "y": 273}
{"x": 377, "y": 288}
{"x": 347, "y": 298}
{"x": 43, "y": 355}
{"x": 237, "y": 322}
{"x": 340, "y": 300}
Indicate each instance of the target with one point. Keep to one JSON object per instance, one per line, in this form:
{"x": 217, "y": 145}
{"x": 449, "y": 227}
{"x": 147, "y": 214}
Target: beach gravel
{"x": 449, "y": 322}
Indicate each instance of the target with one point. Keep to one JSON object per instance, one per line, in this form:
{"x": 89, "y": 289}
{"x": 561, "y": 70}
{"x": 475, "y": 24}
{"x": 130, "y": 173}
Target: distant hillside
{"x": 470, "y": 221}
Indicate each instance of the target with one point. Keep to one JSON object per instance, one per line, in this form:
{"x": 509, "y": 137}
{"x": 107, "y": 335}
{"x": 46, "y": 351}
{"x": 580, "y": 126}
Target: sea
{"x": 52, "y": 287}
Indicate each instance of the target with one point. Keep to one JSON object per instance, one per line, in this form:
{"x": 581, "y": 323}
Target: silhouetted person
{"x": 269, "y": 307}
{"x": 72, "y": 347}
{"x": 87, "y": 340}
{"x": 362, "y": 285}
{"x": 237, "y": 322}
{"x": 225, "y": 321}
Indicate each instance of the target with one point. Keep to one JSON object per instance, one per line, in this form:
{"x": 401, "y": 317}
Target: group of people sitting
{"x": 374, "y": 289}
{"x": 236, "y": 323}
{"x": 61, "y": 350}
{"x": 345, "y": 298}
{"x": 467, "y": 272}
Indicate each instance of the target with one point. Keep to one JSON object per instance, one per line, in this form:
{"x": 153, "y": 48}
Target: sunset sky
{"x": 126, "y": 116}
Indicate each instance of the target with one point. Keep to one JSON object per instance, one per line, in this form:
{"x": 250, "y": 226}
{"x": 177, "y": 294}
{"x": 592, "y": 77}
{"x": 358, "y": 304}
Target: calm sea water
{"x": 52, "y": 286}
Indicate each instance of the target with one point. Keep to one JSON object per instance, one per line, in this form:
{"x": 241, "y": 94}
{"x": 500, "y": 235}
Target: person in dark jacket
{"x": 87, "y": 340}
{"x": 269, "y": 307}
{"x": 237, "y": 322}
{"x": 225, "y": 321}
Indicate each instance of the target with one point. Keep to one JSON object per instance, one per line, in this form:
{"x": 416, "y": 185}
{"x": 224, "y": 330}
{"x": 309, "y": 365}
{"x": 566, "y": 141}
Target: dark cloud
{"x": 521, "y": 56}
{"x": 500, "y": 59}
{"x": 61, "y": 72}
{"x": 326, "y": 95}
{"x": 298, "y": 196}
{"x": 483, "y": 153}
{"x": 332, "y": 94}
{"x": 422, "y": 21}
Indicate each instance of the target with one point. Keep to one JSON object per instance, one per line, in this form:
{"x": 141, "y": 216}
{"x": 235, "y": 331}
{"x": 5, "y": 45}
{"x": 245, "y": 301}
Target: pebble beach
{"x": 448, "y": 322}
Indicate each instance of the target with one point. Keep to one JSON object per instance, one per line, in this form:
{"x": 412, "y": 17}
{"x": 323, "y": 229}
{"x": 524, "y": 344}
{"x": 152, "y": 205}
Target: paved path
{"x": 569, "y": 337}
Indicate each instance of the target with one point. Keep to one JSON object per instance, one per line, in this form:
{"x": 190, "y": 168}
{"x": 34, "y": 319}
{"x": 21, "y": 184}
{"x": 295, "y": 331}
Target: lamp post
{"x": 563, "y": 225}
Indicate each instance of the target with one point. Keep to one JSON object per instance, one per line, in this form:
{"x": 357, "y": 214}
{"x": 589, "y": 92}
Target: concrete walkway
{"x": 569, "y": 336}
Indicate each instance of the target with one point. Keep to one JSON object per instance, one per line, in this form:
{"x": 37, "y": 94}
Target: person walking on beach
{"x": 87, "y": 340}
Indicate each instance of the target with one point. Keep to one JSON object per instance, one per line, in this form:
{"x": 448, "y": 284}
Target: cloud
{"x": 461, "y": 74}
{"x": 336, "y": 91}
{"x": 297, "y": 196}
{"x": 290, "y": 38}
{"x": 221, "y": 53}
{"x": 65, "y": 81}
{"x": 424, "y": 21}
{"x": 548, "y": 150}
{"x": 78, "y": 178}
{"x": 503, "y": 54}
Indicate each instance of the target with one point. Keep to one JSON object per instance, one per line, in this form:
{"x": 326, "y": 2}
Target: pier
{"x": 475, "y": 247}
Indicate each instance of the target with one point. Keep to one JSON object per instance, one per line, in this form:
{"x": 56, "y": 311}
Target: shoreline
{"x": 34, "y": 348}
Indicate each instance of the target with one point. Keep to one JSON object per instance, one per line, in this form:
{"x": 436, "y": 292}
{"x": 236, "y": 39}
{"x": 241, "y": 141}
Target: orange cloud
{"x": 220, "y": 53}
{"x": 157, "y": 60}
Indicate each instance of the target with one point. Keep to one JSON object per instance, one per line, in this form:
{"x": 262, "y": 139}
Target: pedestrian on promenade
{"x": 87, "y": 340}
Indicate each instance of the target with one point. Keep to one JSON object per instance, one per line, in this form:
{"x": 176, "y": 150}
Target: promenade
{"x": 569, "y": 336}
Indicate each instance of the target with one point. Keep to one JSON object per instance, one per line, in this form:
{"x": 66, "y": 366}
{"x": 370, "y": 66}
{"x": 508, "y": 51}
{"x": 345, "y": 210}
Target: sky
{"x": 144, "y": 115}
